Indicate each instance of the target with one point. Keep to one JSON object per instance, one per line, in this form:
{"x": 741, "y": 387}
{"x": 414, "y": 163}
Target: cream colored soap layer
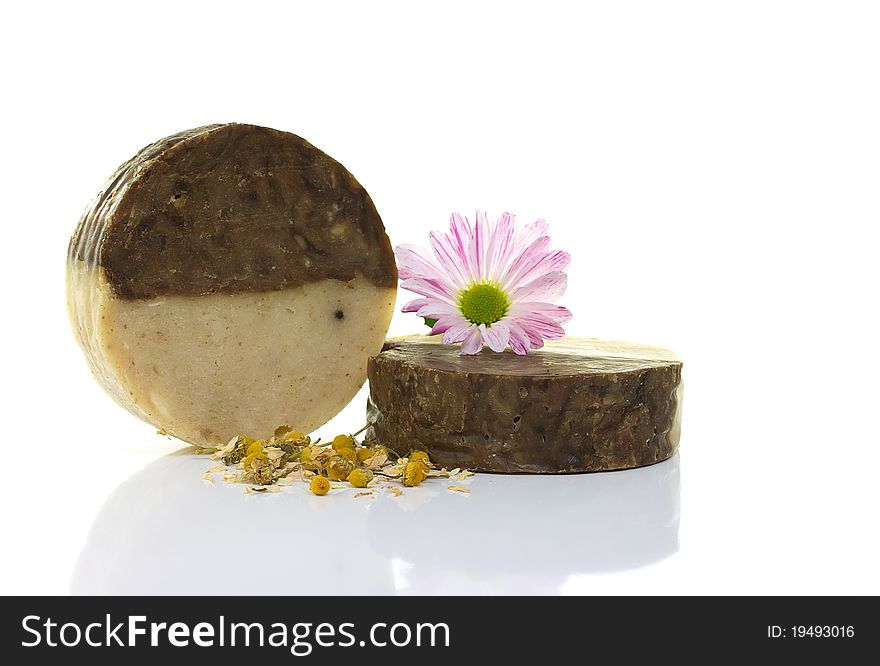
{"x": 205, "y": 368}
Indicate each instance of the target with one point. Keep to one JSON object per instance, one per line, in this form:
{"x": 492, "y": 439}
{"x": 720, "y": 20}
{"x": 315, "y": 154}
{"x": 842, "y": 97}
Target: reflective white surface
{"x": 713, "y": 172}
{"x": 167, "y": 531}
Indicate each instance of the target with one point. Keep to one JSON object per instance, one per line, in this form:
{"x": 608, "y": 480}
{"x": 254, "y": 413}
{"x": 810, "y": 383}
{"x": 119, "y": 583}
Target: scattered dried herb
{"x": 289, "y": 456}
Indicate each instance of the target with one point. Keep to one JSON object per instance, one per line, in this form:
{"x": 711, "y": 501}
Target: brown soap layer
{"x": 578, "y": 405}
{"x": 232, "y": 208}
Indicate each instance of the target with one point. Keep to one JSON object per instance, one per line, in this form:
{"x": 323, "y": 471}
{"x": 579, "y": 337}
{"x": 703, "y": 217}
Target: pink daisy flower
{"x": 488, "y": 283}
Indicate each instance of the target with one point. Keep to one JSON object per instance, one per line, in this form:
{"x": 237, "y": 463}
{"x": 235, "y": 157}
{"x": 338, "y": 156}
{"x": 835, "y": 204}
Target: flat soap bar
{"x": 229, "y": 279}
{"x": 577, "y": 405}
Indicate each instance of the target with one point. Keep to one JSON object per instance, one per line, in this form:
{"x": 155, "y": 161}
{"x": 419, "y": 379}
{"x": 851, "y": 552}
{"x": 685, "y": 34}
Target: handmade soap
{"x": 577, "y": 405}
{"x": 229, "y": 279}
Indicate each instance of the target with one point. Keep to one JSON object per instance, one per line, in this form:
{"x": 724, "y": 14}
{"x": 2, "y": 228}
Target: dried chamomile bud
{"x": 291, "y": 450}
{"x": 296, "y": 437}
{"x": 253, "y": 459}
{"x": 416, "y": 456}
{"x": 360, "y": 478}
{"x": 363, "y": 453}
{"x": 254, "y": 446}
{"x": 262, "y": 474}
{"x": 319, "y": 485}
{"x": 307, "y": 455}
{"x": 338, "y": 468}
{"x": 414, "y": 473}
{"x": 348, "y": 454}
{"x": 282, "y": 430}
{"x": 343, "y": 442}
{"x": 235, "y": 450}
{"x": 234, "y": 457}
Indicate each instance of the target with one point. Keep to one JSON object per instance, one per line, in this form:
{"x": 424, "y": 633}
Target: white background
{"x": 712, "y": 168}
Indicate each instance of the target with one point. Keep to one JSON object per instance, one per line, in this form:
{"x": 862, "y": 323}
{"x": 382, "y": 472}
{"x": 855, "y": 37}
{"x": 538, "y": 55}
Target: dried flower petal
{"x": 274, "y": 454}
{"x": 378, "y": 459}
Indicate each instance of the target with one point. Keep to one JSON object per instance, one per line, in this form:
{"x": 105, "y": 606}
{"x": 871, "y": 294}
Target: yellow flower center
{"x": 483, "y": 303}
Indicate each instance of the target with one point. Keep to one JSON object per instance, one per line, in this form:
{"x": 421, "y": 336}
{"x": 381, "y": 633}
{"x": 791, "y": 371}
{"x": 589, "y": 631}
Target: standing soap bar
{"x": 229, "y": 279}
{"x": 577, "y": 405}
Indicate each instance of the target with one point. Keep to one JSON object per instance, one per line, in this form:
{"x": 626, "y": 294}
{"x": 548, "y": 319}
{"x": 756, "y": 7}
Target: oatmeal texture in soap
{"x": 230, "y": 278}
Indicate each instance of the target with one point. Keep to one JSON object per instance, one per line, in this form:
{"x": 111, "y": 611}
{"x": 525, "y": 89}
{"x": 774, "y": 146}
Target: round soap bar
{"x": 577, "y": 405}
{"x": 230, "y": 279}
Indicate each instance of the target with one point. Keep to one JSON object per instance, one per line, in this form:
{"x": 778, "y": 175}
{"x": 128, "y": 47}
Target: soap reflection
{"x": 164, "y": 531}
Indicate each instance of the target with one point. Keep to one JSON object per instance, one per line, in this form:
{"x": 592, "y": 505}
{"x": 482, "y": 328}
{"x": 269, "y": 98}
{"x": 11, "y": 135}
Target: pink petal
{"x": 443, "y": 324}
{"x": 496, "y": 336}
{"x": 454, "y": 264}
{"x": 478, "y": 246}
{"x": 432, "y": 288}
{"x": 459, "y": 238}
{"x": 553, "y": 312}
{"x": 523, "y": 261}
{"x": 519, "y": 341}
{"x": 458, "y": 331}
{"x": 534, "y": 338}
{"x": 528, "y": 235}
{"x": 541, "y": 265}
{"x": 545, "y": 288}
{"x": 436, "y": 309}
{"x": 415, "y": 305}
{"x": 460, "y": 228}
{"x": 539, "y": 325}
{"x": 473, "y": 342}
{"x": 498, "y": 253}
{"x": 414, "y": 261}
